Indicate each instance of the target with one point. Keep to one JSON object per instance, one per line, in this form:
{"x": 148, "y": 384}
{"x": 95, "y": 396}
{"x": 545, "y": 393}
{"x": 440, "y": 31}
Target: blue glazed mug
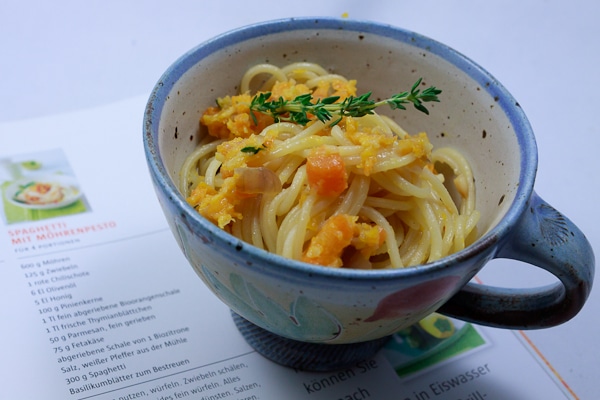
{"x": 319, "y": 318}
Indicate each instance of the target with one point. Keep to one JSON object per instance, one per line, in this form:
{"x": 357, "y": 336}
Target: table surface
{"x": 63, "y": 56}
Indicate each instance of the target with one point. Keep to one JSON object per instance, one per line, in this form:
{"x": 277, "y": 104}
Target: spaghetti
{"x": 360, "y": 194}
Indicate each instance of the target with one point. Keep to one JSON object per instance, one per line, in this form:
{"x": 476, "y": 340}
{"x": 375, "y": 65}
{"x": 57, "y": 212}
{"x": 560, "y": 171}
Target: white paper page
{"x": 101, "y": 303}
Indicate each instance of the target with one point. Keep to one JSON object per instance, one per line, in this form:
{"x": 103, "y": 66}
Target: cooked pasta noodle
{"x": 363, "y": 193}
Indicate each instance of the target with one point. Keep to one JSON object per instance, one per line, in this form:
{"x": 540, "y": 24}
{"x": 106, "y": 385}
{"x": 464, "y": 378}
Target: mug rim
{"x": 274, "y": 264}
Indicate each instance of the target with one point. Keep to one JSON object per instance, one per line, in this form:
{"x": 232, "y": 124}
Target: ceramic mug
{"x": 332, "y": 317}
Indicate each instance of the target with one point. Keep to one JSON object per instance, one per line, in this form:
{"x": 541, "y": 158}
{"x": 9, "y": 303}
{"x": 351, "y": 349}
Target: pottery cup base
{"x": 316, "y": 357}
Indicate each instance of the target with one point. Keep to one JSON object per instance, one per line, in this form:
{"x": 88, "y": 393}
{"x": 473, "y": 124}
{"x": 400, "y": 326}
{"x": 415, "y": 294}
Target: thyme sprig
{"x": 304, "y": 108}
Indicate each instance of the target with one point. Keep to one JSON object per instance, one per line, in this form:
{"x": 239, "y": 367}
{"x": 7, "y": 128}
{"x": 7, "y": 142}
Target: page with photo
{"x": 38, "y": 186}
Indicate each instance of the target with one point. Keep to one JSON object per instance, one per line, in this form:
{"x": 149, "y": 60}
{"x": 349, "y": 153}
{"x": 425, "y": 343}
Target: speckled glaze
{"x": 312, "y": 304}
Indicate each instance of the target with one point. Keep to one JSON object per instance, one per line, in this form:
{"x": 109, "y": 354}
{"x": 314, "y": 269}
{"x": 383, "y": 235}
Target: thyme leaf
{"x": 251, "y": 149}
{"x": 304, "y": 108}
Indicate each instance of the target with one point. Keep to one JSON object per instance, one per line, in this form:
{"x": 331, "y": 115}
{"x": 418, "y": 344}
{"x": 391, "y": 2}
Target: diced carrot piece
{"x": 326, "y": 247}
{"x": 326, "y": 172}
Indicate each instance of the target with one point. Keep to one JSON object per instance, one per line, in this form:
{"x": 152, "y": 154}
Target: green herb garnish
{"x": 298, "y": 109}
{"x": 22, "y": 188}
{"x": 251, "y": 149}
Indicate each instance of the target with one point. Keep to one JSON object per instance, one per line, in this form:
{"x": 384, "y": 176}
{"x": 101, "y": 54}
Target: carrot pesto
{"x": 308, "y": 170}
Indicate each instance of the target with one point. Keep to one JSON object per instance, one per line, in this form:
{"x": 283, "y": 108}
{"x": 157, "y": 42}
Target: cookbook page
{"x": 99, "y": 302}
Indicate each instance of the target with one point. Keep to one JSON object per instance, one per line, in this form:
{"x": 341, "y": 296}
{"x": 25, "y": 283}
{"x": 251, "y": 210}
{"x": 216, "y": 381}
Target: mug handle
{"x": 545, "y": 238}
